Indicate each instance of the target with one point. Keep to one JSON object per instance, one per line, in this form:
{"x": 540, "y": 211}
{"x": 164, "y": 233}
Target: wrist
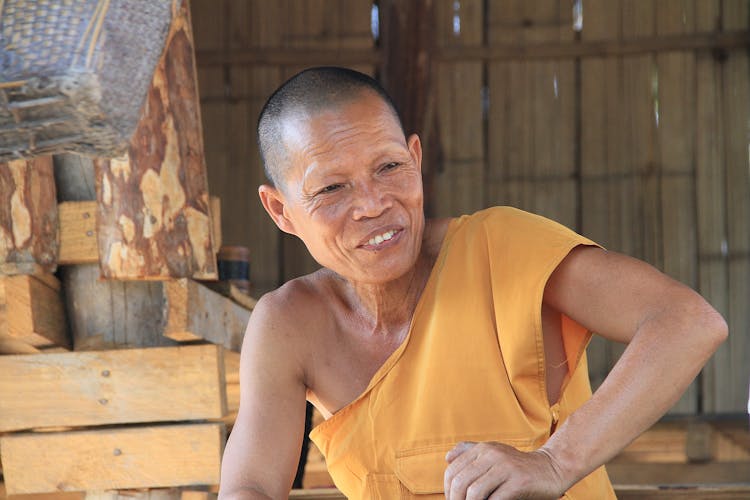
{"x": 564, "y": 465}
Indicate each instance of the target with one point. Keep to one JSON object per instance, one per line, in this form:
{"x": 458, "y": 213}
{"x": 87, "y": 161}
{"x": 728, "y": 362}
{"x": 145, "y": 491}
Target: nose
{"x": 370, "y": 201}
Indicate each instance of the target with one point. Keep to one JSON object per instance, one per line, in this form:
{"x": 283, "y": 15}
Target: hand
{"x": 497, "y": 471}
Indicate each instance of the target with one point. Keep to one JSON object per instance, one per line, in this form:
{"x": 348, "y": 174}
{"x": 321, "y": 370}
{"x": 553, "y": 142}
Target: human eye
{"x": 330, "y": 188}
{"x": 390, "y": 166}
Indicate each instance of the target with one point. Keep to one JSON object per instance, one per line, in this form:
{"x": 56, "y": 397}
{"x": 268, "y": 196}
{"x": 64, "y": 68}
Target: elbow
{"x": 720, "y": 330}
{"x": 714, "y": 329}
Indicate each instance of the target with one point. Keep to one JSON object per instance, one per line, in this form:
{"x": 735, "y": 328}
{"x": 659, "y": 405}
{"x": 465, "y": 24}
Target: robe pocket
{"x": 420, "y": 471}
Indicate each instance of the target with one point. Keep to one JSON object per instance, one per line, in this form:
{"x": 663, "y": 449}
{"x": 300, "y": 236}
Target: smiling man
{"x": 446, "y": 355}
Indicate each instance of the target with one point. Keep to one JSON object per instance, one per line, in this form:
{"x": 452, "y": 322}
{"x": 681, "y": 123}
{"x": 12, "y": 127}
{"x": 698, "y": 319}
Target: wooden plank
{"x": 78, "y": 242}
{"x": 676, "y": 156}
{"x": 704, "y": 42}
{"x": 78, "y": 236}
{"x": 736, "y": 106}
{"x": 109, "y": 314}
{"x": 682, "y": 492}
{"x": 215, "y": 214}
{"x": 532, "y": 113}
{"x": 115, "y": 458}
{"x": 713, "y": 250}
{"x": 669, "y": 473}
{"x": 153, "y": 219}
{"x": 9, "y": 345}
{"x": 111, "y": 387}
{"x": 68, "y": 495}
{"x": 231, "y": 367}
{"x": 406, "y": 38}
{"x": 317, "y": 494}
{"x": 195, "y": 312}
{"x": 460, "y": 177}
{"x": 150, "y": 494}
{"x": 28, "y": 216}
{"x": 31, "y": 311}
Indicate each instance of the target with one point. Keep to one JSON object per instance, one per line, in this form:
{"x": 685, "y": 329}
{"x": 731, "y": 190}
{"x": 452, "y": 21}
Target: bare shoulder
{"x": 291, "y": 302}
{"x": 285, "y": 322}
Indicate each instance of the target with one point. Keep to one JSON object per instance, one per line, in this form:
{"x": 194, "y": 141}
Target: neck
{"x": 387, "y": 308}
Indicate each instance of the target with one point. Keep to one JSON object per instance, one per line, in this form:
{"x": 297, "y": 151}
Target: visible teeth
{"x": 377, "y": 240}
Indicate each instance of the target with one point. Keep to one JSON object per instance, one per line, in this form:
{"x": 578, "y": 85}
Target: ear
{"x": 415, "y": 148}
{"x": 274, "y": 203}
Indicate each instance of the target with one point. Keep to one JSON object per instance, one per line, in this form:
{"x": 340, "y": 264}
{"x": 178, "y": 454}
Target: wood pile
{"x": 120, "y": 370}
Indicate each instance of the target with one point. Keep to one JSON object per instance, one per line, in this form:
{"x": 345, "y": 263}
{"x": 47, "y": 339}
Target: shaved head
{"x": 310, "y": 92}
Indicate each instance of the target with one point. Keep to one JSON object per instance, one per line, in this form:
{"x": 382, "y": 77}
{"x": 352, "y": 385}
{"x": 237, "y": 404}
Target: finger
{"x": 486, "y": 484}
{"x": 463, "y": 457}
{"x": 459, "y": 449}
{"x": 465, "y": 478}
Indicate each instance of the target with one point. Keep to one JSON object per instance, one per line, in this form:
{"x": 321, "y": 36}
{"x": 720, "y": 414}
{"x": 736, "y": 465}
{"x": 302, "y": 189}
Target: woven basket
{"x": 74, "y": 73}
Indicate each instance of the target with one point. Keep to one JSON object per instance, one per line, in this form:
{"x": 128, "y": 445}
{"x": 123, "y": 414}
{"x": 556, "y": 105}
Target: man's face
{"x": 353, "y": 190}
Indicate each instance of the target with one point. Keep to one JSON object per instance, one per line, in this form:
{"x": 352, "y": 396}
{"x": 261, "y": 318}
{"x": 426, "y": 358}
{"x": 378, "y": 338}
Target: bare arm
{"x": 262, "y": 452}
{"x": 671, "y": 331}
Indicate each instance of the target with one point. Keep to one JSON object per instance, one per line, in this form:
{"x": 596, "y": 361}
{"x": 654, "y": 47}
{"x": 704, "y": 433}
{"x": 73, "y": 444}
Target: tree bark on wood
{"x": 28, "y": 217}
{"x": 104, "y": 314}
{"x": 154, "y": 215}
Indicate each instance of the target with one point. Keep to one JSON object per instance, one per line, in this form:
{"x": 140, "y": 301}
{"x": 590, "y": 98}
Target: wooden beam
{"x": 69, "y": 495}
{"x": 270, "y": 56}
{"x": 193, "y": 493}
{"x": 406, "y": 72}
{"x": 624, "y": 492}
{"x": 683, "y": 492}
{"x": 112, "y": 387}
{"x": 150, "y": 494}
{"x": 31, "y": 311}
{"x": 78, "y": 244}
{"x": 215, "y": 213}
{"x": 557, "y": 50}
{"x": 115, "y": 458}
{"x": 78, "y": 237}
{"x": 671, "y": 473}
{"x": 28, "y": 217}
{"x": 110, "y": 314}
{"x": 599, "y": 48}
{"x": 194, "y": 312}
{"x": 153, "y": 219}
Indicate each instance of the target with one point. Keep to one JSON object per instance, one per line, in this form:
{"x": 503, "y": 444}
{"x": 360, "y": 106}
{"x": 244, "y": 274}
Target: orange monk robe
{"x": 472, "y": 367}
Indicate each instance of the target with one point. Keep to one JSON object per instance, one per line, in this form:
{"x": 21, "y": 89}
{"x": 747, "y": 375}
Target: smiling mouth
{"x": 377, "y": 240}
{"x": 381, "y": 240}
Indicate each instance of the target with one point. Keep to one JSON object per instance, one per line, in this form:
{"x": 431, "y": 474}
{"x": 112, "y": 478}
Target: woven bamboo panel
{"x": 75, "y": 74}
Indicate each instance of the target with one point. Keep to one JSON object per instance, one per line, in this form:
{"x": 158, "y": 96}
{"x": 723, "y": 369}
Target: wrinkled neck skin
{"x": 386, "y": 309}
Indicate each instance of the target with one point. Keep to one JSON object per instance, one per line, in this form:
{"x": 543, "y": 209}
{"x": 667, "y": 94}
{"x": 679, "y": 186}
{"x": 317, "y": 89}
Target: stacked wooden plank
{"x": 85, "y": 390}
{"x": 99, "y": 262}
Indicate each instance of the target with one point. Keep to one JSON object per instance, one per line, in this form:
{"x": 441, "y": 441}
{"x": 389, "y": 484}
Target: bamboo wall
{"x": 632, "y": 130}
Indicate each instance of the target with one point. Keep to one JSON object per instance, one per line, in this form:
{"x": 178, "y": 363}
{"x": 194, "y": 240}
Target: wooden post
{"x": 154, "y": 216}
{"x": 28, "y": 217}
{"x": 408, "y": 40}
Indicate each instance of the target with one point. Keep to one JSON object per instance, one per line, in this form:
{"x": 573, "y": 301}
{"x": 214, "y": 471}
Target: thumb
{"x": 458, "y": 450}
